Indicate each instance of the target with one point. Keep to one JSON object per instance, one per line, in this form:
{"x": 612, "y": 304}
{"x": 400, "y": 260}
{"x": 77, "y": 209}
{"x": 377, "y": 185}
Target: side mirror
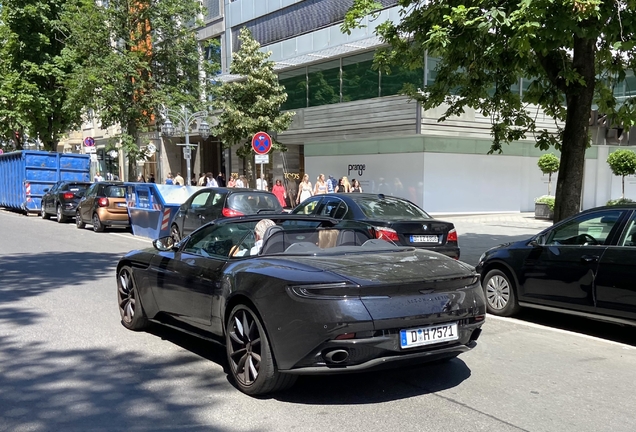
{"x": 183, "y": 207}
{"x": 164, "y": 244}
{"x": 46, "y": 190}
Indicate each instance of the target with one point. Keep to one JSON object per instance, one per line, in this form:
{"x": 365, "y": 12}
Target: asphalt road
{"x": 67, "y": 364}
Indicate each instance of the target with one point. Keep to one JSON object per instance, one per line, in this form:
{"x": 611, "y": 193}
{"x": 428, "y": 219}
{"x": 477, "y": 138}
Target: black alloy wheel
{"x": 249, "y": 355}
{"x": 60, "y": 217}
{"x": 132, "y": 313}
{"x": 78, "y": 220}
{"x": 174, "y": 233}
{"x": 43, "y": 213}
{"x": 501, "y": 296}
{"x": 97, "y": 224}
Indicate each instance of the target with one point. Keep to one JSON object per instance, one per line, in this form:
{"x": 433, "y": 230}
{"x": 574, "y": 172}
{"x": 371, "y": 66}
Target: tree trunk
{"x": 575, "y": 138}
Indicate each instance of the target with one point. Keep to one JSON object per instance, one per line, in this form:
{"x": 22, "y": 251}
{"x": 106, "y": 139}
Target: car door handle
{"x": 589, "y": 258}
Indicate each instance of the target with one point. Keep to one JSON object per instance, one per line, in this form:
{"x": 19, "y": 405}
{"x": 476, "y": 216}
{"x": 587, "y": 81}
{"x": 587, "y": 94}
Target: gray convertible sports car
{"x": 303, "y": 296}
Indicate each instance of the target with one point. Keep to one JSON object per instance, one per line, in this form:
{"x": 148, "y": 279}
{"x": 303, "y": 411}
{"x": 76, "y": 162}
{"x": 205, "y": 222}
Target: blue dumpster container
{"x": 25, "y": 174}
{"x": 152, "y": 207}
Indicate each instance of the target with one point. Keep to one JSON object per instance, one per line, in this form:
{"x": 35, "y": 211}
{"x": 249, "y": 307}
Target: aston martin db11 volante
{"x": 292, "y": 294}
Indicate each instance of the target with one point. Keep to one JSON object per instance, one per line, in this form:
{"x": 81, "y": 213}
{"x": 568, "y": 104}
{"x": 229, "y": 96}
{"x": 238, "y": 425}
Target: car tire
{"x": 98, "y": 226}
{"x": 43, "y": 213}
{"x": 79, "y": 223}
{"x": 131, "y": 311}
{"x": 60, "y": 216}
{"x": 252, "y": 367}
{"x": 175, "y": 234}
{"x": 500, "y": 292}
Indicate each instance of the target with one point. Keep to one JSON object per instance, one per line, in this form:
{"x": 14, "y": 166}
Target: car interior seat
{"x": 347, "y": 237}
{"x": 273, "y": 240}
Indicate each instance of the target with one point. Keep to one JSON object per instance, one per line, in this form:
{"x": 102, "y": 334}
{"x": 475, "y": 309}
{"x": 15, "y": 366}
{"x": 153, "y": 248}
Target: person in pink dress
{"x": 281, "y": 194}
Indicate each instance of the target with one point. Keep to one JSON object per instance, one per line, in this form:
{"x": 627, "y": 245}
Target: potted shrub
{"x": 622, "y": 163}
{"x": 544, "y": 205}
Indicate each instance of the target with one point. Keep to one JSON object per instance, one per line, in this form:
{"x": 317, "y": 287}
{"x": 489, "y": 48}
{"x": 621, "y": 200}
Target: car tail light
{"x": 387, "y": 234}
{"x": 228, "y": 212}
{"x": 69, "y": 195}
{"x": 452, "y": 236}
{"x": 102, "y": 202}
{"x": 346, "y": 336}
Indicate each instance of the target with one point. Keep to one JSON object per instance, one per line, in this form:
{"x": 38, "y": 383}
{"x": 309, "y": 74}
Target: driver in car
{"x": 259, "y": 232}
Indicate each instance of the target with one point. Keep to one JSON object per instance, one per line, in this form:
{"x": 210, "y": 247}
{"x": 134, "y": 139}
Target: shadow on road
{"x": 360, "y": 388}
{"x": 26, "y": 275}
{"x": 613, "y": 332}
{"x": 98, "y": 390}
{"x": 378, "y": 386}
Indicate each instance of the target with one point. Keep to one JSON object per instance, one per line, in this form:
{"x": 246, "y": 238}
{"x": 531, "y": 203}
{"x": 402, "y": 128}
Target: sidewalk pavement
{"x": 480, "y": 232}
{"x": 517, "y": 220}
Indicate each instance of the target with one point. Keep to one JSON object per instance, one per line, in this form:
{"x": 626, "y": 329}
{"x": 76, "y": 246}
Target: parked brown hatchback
{"x": 103, "y": 205}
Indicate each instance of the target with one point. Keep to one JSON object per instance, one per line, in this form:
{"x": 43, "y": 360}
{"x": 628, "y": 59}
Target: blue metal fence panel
{"x": 25, "y": 174}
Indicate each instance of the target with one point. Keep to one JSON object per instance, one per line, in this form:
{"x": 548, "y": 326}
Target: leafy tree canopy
{"x": 548, "y": 163}
{"x": 253, "y": 103}
{"x": 33, "y": 70}
{"x": 133, "y": 57}
{"x": 574, "y": 52}
{"x": 622, "y": 163}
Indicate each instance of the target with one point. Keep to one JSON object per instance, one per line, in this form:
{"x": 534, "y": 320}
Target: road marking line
{"x": 143, "y": 239}
{"x": 558, "y": 330}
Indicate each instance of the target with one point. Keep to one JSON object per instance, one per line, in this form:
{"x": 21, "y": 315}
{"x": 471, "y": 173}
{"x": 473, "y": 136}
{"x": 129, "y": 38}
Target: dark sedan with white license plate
{"x": 584, "y": 265}
{"x": 394, "y": 219}
{"x": 304, "y": 296}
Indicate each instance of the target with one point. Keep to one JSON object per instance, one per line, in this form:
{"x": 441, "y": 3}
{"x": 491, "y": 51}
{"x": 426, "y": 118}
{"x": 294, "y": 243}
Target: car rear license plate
{"x": 121, "y": 204}
{"x": 415, "y": 337}
{"x": 424, "y": 239}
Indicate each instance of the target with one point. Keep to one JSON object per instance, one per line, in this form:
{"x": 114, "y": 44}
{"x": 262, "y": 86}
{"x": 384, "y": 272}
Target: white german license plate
{"x": 424, "y": 239}
{"x": 415, "y": 337}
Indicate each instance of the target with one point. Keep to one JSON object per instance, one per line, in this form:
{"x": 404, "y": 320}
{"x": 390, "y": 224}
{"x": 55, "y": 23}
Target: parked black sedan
{"x": 62, "y": 199}
{"x": 395, "y": 219}
{"x": 310, "y": 298}
{"x": 212, "y": 203}
{"x": 584, "y": 265}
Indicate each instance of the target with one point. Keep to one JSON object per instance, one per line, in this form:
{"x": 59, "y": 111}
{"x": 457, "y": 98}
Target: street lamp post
{"x": 184, "y": 119}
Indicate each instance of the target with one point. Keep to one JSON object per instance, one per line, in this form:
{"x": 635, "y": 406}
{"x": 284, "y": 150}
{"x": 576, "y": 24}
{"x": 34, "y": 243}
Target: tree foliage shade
{"x": 574, "y": 51}
{"x": 253, "y": 103}
{"x": 33, "y": 69}
{"x": 622, "y": 163}
{"x": 133, "y": 57}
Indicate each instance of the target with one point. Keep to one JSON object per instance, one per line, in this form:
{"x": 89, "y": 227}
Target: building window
{"x": 392, "y": 84}
{"x": 324, "y": 83}
{"x": 359, "y": 80}
{"x": 213, "y": 53}
{"x": 213, "y": 9}
{"x": 295, "y": 83}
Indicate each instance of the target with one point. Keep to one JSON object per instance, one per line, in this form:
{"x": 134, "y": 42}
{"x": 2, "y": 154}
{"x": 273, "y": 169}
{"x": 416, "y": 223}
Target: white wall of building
{"x": 451, "y": 183}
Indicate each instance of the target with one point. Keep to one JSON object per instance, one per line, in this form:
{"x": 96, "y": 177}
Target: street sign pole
{"x": 261, "y": 144}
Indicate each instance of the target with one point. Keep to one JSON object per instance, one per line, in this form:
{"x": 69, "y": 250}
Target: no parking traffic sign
{"x": 261, "y": 143}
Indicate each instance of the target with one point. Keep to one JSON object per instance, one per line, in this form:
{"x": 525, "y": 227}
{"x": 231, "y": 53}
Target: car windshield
{"x": 74, "y": 187}
{"x": 253, "y": 203}
{"x": 389, "y": 208}
{"x": 114, "y": 192}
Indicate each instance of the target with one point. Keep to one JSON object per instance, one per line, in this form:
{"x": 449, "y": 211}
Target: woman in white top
{"x": 321, "y": 185}
{"x": 304, "y": 189}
